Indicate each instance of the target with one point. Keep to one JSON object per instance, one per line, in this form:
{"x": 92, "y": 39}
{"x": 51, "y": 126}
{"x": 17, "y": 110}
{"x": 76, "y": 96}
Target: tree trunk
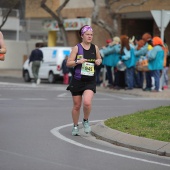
{"x": 59, "y": 19}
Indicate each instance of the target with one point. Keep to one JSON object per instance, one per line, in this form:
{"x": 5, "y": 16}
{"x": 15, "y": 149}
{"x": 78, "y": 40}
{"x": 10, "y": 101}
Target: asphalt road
{"x": 35, "y": 131}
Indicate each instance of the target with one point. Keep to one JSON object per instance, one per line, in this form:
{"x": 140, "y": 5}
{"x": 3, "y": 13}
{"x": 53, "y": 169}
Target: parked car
{"x": 50, "y": 68}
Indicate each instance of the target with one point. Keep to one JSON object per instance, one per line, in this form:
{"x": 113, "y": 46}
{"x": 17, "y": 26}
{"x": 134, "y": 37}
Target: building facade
{"x": 133, "y": 20}
{"x": 37, "y": 25}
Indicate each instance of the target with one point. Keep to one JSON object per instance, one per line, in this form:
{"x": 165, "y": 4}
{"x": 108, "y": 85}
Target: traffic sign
{"x": 162, "y": 19}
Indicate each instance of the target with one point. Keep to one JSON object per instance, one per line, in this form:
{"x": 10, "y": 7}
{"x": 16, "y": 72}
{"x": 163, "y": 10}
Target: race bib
{"x": 87, "y": 69}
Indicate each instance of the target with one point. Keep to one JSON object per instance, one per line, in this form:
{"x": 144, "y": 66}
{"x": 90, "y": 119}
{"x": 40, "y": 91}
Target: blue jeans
{"x": 156, "y": 75}
{"x": 119, "y": 78}
{"x": 165, "y": 76}
{"x": 148, "y": 79}
{"x": 138, "y": 79}
{"x": 98, "y": 69}
{"x": 109, "y": 74}
{"x": 129, "y": 77}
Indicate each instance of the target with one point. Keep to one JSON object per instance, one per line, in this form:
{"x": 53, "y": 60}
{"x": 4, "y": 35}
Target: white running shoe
{"x": 75, "y": 131}
{"x": 87, "y": 128}
{"x": 38, "y": 81}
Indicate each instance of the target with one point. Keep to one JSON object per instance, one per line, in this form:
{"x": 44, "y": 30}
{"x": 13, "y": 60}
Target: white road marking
{"x": 15, "y": 84}
{"x": 38, "y": 87}
{"x": 5, "y": 99}
{"x": 56, "y": 133}
{"x": 62, "y": 95}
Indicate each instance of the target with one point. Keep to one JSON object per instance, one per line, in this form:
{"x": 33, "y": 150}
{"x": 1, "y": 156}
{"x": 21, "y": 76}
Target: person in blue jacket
{"x": 128, "y": 57}
{"x": 147, "y": 47}
{"x": 139, "y": 52}
{"x": 156, "y": 61}
{"x": 98, "y": 68}
{"x": 110, "y": 56}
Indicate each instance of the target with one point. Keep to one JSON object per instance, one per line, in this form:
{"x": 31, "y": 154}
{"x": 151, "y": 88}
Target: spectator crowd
{"x": 139, "y": 62}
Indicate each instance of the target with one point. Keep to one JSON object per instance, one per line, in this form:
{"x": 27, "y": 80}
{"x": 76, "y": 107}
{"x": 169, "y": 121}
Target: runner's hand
{"x": 81, "y": 61}
{"x": 98, "y": 62}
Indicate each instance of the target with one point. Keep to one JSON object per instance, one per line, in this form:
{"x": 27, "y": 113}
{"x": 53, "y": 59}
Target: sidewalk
{"x": 165, "y": 94}
{"x": 16, "y": 73}
{"x": 116, "y": 137}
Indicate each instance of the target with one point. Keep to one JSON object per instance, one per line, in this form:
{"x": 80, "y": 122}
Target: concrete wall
{"x": 16, "y": 54}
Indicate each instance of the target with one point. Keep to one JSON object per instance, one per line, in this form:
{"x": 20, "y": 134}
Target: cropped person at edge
{"x": 2, "y": 45}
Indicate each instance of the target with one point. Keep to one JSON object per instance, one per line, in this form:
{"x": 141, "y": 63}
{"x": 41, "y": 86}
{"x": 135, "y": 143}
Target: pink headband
{"x": 86, "y": 28}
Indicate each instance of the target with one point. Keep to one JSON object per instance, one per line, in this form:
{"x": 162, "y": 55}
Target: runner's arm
{"x": 98, "y": 60}
{"x": 2, "y": 44}
{"x": 71, "y": 62}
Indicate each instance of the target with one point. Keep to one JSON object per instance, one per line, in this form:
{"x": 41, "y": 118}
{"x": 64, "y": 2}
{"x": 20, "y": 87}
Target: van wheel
{"x": 26, "y": 76}
{"x": 51, "y": 77}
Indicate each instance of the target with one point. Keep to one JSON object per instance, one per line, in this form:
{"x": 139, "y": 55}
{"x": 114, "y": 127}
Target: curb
{"x": 116, "y": 137}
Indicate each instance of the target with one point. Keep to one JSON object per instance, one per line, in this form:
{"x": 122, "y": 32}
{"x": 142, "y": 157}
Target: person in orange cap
{"x": 155, "y": 61}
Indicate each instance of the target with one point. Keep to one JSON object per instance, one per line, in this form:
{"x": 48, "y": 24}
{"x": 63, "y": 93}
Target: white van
{"x": 50, "y": 68}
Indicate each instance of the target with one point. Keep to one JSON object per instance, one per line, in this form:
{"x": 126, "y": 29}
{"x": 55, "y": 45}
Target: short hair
{"x": 37, "y": 45}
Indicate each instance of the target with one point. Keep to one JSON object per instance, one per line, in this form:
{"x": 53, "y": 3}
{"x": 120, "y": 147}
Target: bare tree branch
{"x": 130, "y": 4}
{"x": 111, "y": 2}
{"x": 47, "y": 9}
{"x": 6, "y": 15}
{"x": 62, "y": 6}
{"x": 58, "y": 18}
{"x": 100, "y": 22}
{"x": 112, "y": 30}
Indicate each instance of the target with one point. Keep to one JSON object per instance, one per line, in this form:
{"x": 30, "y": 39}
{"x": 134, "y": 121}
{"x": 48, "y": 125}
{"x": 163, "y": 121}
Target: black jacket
{"x": 36, "y": 55}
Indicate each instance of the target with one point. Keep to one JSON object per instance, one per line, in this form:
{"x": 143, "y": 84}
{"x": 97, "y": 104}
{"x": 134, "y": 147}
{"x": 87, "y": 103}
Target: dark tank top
{"x": 85, "y": 71}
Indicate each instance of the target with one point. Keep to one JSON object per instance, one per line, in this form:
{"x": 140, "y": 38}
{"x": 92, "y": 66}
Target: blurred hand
{"x": 98, "y": 62}
{"x": 81, "y": 61}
